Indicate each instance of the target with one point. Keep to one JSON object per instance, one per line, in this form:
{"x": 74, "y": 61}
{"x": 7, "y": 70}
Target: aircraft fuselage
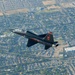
{"x": 46, "y": 39}
{"x": 37, "y": 38}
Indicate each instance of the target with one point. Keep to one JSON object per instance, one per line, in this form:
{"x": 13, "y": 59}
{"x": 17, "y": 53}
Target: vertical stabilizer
{"x": 49, "y": 37}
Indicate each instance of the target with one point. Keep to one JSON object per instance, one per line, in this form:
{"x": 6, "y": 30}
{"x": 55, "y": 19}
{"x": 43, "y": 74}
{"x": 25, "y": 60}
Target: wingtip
{"x": 11, "y": 30}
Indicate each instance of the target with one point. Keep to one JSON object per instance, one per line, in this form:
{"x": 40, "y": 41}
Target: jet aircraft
{"x": 46, "y": 39}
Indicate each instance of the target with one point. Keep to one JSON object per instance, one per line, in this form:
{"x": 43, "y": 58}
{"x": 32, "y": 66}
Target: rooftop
{"x": 70, "y": 49}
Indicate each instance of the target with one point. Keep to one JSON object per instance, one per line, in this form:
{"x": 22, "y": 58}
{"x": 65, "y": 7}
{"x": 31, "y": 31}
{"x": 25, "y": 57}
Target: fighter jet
{"x": 46, "y": 39}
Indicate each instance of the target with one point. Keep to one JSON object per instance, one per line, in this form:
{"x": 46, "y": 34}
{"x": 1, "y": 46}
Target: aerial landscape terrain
{"x": 39, "y": 17}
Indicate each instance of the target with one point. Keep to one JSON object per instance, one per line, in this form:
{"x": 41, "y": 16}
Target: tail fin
{"x": 49, "y": 37}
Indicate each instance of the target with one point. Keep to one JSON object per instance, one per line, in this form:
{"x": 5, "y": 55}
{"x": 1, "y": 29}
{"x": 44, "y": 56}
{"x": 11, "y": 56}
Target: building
{"x": 69, "y": 51}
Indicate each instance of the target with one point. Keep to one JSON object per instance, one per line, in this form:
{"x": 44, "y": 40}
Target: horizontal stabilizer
{"x": 31, "y": 42}
{"x": 47, "y": 47}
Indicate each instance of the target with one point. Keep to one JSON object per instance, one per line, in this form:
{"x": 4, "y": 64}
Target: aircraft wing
{"x": 31, "y": 42}
{"x": 42, "y": 36}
